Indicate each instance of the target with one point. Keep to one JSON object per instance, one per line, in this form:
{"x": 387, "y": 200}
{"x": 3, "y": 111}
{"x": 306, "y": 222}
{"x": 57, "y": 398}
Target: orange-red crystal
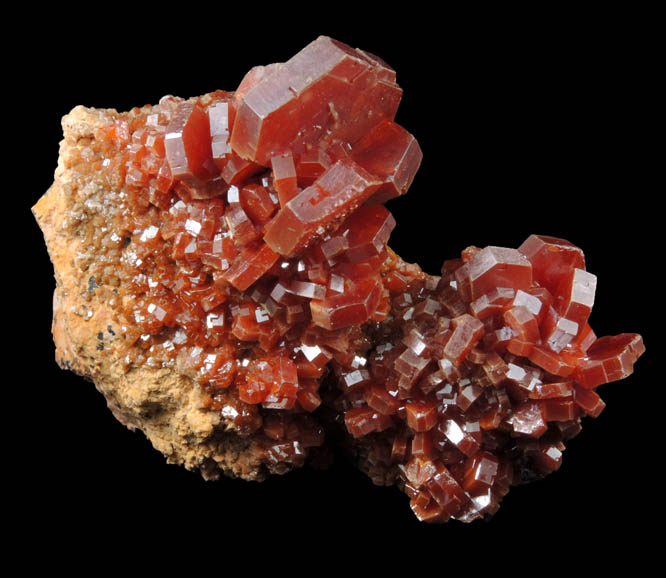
{"x": 255, "y": 260}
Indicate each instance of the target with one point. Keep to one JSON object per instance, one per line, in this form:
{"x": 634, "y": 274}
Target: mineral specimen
{"x": 223, "y": 276}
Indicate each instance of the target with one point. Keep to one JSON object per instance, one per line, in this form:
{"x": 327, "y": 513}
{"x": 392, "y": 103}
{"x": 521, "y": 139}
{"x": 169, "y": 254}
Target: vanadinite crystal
{"x": 254, "y": 260}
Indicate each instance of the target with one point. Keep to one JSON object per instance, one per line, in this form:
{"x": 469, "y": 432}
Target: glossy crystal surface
{"x": 326, "y": 92}
{"x": 484, "y": 389}
{"x": 255, "y": 261}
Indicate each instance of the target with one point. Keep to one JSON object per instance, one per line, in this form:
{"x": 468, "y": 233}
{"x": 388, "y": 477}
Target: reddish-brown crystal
{"x": 256, "y": 263}
{"x": 551, "y": 258}
{"x": 353, "y": 307}
{"x": 466, "y": 333}
{"x": 319, "y": 208}
{"x": 492, "y": 380}
{"x": 249, "y": 266}
{"x": 609, "y": 359}
{"x": 574, "y": 296}
{"x": 188, "y": 144}
{"x": 392, "y": 154}
{"x": 495, "y": 267}
{"x": 327, "y": 91}
{"x": 421, "y": 417}
{"x": 285, "y": 178}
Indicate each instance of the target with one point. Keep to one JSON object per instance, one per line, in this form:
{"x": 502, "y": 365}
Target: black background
{"x": 528, "y": 124}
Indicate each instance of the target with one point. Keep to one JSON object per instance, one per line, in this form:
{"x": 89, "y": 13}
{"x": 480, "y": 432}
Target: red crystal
{"x": 257, "y": 203}
{"x": 219, "y": 126}
{"x": 381, "y": 400}
{"x": 366, "y": 232}
{"x": 319, "y": 208}
{"x": 609, "y": 359}
{"x": 392, "y": 154}
{"x": 421, "y": 417}
{"x": 249, "y": 266}
{"x": 575, "y": 295}
{"x": 467, "y": 331}
{"x": 523, "y": 323}
{"x": 236, "y": 170}
{"x": 589, "y": 401}
{"x": 240, "y": 227}
{"x": 285, "y": 178}
{"x": 493, "y": 303}
{"x": 187, "y": 143}
{"x": 480, "y": 472}
{"x": 495, "y": 267}
{"x": 327, "y": 90}
{"x": 353, "y": 307}
{"x": 500, "y": 367}
{"x": 259, "y": 265}
{"x": 551, "y": 258}
{"x": 361, "y": 421}
{"x": 528, "y": 419}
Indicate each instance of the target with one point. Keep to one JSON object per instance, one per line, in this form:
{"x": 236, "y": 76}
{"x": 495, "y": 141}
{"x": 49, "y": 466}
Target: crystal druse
{"x": 242, "y": 245}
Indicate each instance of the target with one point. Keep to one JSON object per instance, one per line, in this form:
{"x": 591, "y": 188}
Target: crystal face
{"x": 327, "y": 92}
{"x": 254, "y": 260}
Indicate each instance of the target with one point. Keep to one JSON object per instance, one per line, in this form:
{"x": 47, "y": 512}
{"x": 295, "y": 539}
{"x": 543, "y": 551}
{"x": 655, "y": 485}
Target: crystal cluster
{"x": 254, "y": 259}
{"x": 479, "y": 376}
{"x": 256, "y": 234}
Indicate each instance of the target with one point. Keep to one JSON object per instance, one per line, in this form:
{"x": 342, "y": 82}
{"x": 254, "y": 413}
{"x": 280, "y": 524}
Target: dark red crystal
{"x": 188, "y": 143}
{"x": 319, "y": 208}
{"x": 258, "y": 266}
{"x": 493, "y": 381}
{"x": 328, "y": 92}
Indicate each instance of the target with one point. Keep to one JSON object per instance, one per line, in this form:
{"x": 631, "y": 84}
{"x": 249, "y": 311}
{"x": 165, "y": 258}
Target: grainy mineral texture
{"x": 223, "y": 278}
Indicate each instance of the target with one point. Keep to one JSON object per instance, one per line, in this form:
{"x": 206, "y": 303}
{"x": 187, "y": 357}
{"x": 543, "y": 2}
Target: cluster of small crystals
{"x": 477, "y": 377}
{"x": 253, "y": 235}
{"x": 253, "y": 259}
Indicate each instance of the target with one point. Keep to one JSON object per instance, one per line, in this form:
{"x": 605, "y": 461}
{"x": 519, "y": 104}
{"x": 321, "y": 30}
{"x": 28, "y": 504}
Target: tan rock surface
{"x": 163, "y": 404}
